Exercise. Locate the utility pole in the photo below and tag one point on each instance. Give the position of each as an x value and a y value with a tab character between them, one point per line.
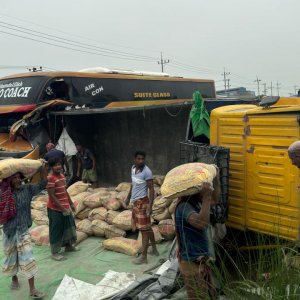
163	62
228	85
296	89
258	86
271	88
265	89
278	88
225	74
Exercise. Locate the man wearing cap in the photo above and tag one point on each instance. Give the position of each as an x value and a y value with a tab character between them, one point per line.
16	238
53	153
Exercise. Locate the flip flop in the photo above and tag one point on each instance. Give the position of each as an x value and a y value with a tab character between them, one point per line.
36	294
58	257
15	286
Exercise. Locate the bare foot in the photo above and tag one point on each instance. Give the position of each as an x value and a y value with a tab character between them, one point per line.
36	294
71	249
140	260
58	257
15	285
153	252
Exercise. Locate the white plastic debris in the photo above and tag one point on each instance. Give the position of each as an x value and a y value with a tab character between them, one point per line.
112	283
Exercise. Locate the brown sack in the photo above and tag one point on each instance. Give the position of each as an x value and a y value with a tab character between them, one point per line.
123	220
122	245
40	235
167	229
84	213
39	217
160	203
39	205
81	236
172	207
77	188
188	179
112	204
162	216
98	214
78	201
11	166
124	186
85	226
99	227
93	201
158	179
111	214
112	231
122	196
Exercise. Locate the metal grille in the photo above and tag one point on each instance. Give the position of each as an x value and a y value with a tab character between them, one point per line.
196	152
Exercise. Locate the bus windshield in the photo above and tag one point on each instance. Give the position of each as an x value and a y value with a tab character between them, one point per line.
19	91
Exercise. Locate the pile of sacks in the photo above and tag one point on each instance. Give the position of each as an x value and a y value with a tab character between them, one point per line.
100	213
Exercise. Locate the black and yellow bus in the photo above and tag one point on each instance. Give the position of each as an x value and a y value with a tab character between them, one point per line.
98	90
89	89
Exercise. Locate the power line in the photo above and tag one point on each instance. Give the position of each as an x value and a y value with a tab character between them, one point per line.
163	62
70	34
71	42
69	48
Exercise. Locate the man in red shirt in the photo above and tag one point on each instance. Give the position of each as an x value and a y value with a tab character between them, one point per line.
62	229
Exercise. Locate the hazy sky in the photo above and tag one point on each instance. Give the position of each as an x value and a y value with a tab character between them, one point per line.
200	37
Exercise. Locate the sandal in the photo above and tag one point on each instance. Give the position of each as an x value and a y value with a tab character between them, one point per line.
36	294
15	285
58	257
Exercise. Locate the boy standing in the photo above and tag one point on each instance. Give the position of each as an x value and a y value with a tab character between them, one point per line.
62	229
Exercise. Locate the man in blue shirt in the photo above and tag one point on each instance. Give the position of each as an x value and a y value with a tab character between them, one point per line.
142	183
53	153
192	217
87	162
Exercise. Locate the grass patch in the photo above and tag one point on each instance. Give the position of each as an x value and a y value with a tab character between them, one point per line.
268	272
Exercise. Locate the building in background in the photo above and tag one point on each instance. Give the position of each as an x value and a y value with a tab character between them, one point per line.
239	92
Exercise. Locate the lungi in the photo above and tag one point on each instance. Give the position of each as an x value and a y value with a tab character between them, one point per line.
18	255
62	230
141	220
198	279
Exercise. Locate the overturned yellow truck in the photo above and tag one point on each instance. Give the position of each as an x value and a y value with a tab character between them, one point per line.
263	184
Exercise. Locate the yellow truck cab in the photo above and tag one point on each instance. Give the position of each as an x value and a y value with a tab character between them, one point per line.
263	185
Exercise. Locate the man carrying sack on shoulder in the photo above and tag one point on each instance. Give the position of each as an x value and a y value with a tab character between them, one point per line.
15	215
198	188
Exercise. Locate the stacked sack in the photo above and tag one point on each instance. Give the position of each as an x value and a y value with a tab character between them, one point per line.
100	212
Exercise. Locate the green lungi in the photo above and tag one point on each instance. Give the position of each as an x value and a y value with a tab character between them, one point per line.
62	230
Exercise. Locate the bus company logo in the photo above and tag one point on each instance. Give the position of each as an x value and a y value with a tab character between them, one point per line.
14	90
162	95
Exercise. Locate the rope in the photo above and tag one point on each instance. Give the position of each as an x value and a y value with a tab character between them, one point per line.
175	115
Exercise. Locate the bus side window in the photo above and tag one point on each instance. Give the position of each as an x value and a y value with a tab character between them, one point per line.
57	89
